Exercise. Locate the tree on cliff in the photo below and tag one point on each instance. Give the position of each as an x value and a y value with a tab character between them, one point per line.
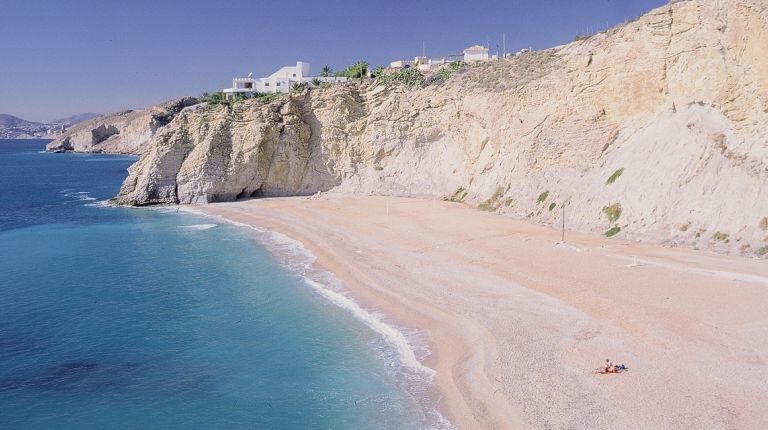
357	70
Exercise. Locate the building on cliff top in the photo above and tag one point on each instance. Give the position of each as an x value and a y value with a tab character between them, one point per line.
476	53
424	64
279	82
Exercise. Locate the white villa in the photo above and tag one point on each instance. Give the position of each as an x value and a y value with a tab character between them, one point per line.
476	53
279	82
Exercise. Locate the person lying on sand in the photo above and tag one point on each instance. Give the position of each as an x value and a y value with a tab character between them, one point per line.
609	367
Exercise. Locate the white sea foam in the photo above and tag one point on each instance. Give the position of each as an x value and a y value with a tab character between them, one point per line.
198	226
394	338
101	204
292	254
79	195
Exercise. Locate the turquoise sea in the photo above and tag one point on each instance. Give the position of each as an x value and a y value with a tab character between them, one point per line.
119	318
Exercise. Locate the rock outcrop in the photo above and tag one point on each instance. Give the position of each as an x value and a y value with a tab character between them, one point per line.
125	132
655	130
220	154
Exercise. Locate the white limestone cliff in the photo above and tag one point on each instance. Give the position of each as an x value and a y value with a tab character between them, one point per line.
656	130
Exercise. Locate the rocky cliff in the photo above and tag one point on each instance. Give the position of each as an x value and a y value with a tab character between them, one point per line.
126	132
654	130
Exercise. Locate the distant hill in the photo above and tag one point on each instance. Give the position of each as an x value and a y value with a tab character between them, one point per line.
75	119
13	127
10	121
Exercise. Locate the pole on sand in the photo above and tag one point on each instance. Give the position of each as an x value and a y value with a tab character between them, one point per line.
563	229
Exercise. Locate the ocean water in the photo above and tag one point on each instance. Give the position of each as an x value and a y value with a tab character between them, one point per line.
145	318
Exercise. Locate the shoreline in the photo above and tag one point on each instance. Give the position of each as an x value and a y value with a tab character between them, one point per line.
399	339
294	257
431	275
358	294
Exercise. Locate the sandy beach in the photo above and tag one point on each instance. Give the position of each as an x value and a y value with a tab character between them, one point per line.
517	322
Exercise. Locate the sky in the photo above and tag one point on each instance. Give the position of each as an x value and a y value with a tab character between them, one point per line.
62	57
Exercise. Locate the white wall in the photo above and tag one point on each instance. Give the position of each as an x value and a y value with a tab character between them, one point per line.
299	71
475	55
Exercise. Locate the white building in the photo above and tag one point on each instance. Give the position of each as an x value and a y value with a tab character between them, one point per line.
430	64
281	81
476	53
401	64
522	51
422	63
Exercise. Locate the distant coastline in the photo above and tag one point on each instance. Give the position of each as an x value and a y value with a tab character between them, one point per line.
13	127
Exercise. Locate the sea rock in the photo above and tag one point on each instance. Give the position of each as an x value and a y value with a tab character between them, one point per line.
655	130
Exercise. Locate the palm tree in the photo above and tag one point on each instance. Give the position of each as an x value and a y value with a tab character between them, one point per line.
326	71
357	70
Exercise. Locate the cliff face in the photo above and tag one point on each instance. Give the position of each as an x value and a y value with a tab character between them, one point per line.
126	132
219	154
655	130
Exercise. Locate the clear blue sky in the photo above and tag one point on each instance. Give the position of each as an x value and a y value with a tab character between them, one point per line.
65	57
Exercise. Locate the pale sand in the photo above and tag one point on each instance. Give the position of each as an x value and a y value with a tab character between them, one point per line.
517	324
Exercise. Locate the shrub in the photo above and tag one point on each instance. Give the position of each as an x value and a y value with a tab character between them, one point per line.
614	176
326	71
762	251
497	194
456	65
552	206
408	77
445	73
763	224
613	212
490	204
542	197
268	97
459	195
164	117
214	99
378	71
719	236
355	71
613	231
167	115
508	202
316	82
297	88
219	98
